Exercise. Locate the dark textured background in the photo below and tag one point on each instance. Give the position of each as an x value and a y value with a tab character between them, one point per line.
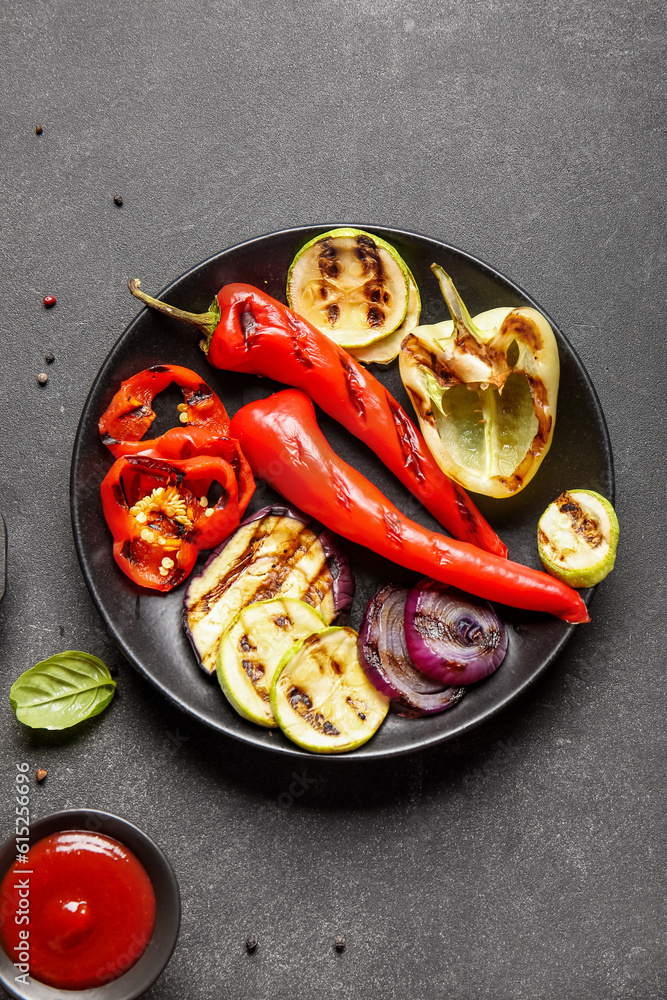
527	860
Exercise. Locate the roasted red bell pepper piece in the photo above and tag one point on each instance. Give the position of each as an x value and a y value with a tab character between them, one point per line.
180	443
285	447
248	331
130	413
160	518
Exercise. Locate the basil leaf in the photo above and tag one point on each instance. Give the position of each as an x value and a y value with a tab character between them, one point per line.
62	691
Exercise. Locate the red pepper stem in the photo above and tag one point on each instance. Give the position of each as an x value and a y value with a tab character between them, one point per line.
205	322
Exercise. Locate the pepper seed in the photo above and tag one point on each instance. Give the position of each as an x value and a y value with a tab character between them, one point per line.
42	378
339	943
251	945
41	773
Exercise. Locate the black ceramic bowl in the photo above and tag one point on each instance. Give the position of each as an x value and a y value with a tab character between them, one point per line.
137	979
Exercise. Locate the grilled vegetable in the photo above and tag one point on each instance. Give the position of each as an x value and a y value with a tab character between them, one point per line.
276	551
130	412
286	448
450	636
382	352
253	646
385	660
321	697
350	285
484	392
159	514
245	330
577	537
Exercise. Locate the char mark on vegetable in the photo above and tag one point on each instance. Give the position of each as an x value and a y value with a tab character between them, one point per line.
303	706
108	440
354	387
585	526
392	523
333	312
326	260
368	256
158	369
355	708
407	438
300	336
319	587
201	395
255	671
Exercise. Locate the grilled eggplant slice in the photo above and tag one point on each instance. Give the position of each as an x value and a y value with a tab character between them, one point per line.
252	648
321	697
276	551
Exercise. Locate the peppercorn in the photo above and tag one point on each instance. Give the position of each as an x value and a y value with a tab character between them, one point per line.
42	378
251	945
117	200
38	130
41	773
49	358
49	301
339	943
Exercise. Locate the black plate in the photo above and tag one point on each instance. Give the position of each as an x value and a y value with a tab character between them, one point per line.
147	626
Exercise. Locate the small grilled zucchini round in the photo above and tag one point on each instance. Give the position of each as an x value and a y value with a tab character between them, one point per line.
577	537
351	285
383	351
252	648
321	697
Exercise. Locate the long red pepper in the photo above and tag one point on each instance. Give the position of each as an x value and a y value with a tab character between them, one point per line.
248	331
285	447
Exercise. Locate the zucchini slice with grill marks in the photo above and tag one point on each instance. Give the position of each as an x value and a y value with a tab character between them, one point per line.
321	697
252	648
383	351
278	550
577	537
351	285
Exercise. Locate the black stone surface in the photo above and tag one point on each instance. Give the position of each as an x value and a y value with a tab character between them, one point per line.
526	860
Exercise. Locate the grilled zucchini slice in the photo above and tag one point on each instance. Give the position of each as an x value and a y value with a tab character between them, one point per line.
252	648
321	697
351	285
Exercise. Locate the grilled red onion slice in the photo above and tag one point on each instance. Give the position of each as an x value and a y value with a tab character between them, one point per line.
452	637
385	660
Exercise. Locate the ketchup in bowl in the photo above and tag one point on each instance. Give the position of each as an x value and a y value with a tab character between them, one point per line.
90	906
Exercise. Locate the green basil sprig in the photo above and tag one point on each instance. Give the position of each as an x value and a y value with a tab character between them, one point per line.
62	691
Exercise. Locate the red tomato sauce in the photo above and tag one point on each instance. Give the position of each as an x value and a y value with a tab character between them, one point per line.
90	908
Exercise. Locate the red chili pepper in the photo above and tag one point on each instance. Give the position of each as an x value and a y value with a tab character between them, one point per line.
285	447
130	414
159	523
247	331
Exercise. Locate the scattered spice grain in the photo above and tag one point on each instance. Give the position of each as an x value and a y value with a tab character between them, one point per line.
41	773
42	378
251	945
